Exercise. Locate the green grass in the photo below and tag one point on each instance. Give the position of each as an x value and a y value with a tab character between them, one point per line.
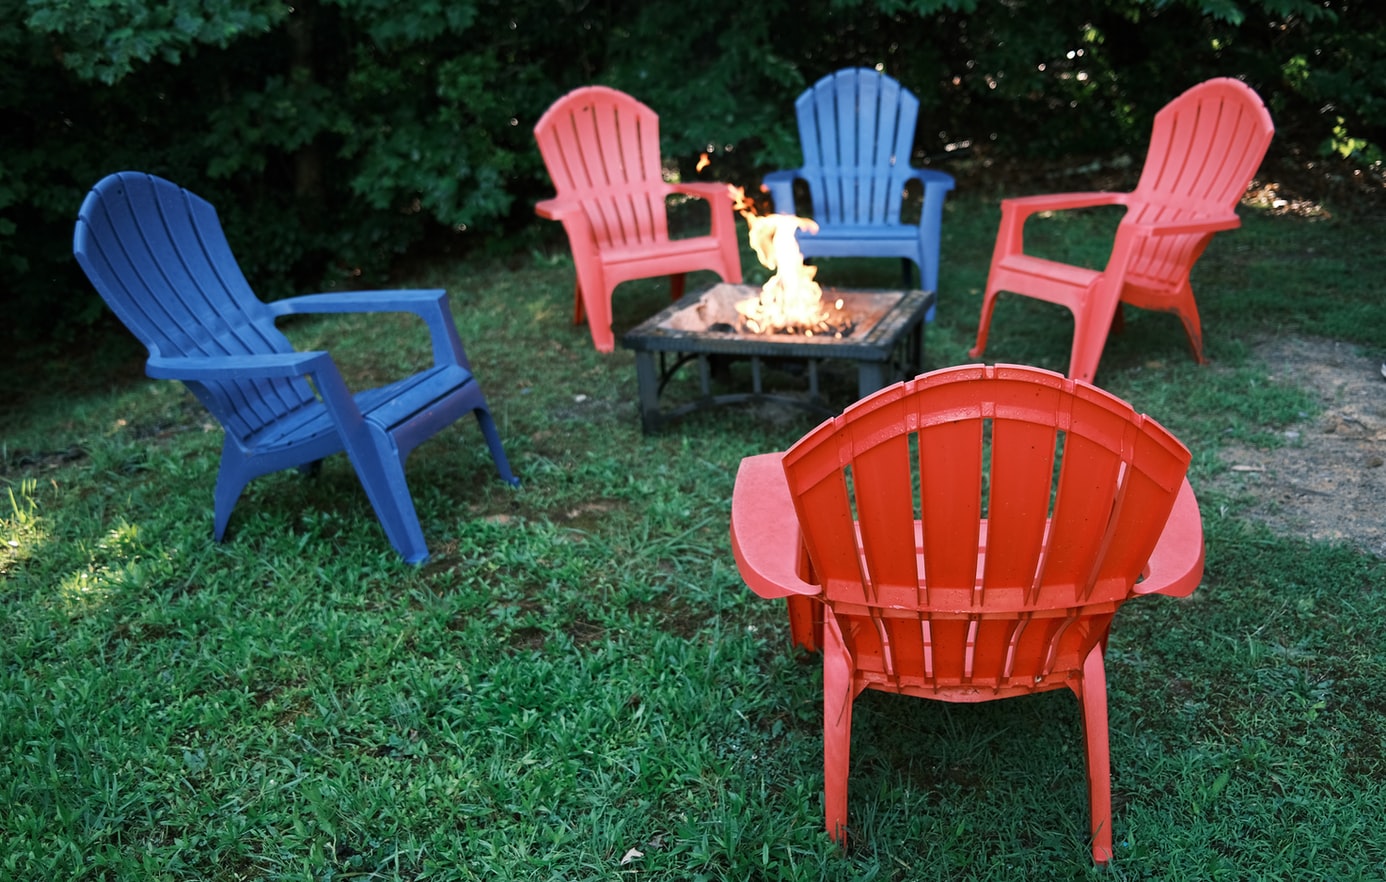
578	674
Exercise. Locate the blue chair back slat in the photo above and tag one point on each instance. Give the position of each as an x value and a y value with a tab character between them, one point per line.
873	147
899	140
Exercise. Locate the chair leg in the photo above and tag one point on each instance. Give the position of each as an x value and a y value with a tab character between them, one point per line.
578	312
1194	329
598	310
984	323
493	442
676	285
837	729
1092	322
1092	695
805	622
1088	347
231	483
1187	310
380	469
912	270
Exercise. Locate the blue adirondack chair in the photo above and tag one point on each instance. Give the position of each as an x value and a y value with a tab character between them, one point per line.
856	129
158	257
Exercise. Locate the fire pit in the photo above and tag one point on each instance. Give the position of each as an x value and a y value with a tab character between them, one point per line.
882	332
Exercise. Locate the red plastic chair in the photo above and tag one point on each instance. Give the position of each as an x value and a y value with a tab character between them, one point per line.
601	148
966	536
1205	148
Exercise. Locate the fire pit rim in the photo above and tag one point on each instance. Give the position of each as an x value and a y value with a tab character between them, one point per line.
869	346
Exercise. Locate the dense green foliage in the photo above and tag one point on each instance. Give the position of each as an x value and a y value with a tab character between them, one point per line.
336	135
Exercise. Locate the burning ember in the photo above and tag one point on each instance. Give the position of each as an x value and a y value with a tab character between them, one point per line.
791	302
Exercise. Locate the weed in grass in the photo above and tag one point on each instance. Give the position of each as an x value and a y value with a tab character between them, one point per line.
21	528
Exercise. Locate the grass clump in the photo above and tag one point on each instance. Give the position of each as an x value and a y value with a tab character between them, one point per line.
577	685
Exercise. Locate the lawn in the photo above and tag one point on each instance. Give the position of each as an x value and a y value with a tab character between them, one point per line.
577	685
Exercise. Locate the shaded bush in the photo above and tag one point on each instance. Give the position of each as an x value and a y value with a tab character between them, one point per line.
335	136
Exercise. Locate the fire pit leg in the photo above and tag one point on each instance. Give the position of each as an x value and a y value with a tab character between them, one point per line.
870	378
906	361
647	384
914	348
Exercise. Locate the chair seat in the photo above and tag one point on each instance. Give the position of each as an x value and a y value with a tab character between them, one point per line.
294	429
855	240
857	232
385	406
395	404
1023	265
667	250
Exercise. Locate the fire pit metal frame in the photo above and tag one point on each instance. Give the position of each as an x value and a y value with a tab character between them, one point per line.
890	349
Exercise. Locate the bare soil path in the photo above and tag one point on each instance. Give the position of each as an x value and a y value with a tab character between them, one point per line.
1329	480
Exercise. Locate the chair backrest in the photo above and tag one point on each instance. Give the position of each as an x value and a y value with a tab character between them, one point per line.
1205	147
158	257
976	528
601	147
856	128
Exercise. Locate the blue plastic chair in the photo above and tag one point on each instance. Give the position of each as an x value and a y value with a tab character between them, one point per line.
856	129
158	257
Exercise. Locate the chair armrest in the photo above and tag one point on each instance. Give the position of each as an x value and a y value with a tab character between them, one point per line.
709	190
936	186
1010	236
421	302
431	305
236	367
931	178
1024	206
719	200
573	216
557	209
765	529
780	186
319	366
1183	227
1176	565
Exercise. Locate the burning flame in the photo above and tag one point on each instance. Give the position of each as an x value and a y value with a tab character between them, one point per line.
791	302
703	162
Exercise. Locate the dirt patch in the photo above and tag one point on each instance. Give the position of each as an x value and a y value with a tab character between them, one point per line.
1329	480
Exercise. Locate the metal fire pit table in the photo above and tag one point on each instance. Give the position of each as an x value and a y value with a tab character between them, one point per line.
886	343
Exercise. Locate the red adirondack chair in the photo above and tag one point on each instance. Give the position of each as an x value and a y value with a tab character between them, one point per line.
601	148
966	536
1205	148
